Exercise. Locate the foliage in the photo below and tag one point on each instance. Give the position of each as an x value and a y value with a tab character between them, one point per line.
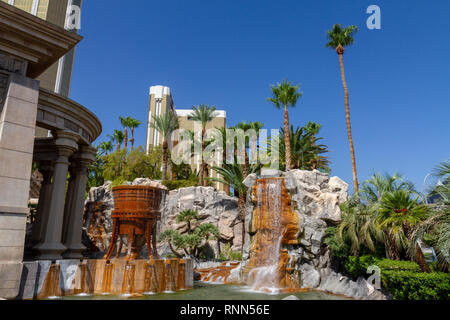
340	36
118	166
377	185
228	254
305	153
407	285
177	184
196	238
357	227
284	94
338	249
95	175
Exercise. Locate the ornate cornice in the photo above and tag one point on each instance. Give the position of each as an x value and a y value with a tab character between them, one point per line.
32	39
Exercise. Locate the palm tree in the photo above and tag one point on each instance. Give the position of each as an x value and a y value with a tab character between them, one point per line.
165	124
401	213
285	94
125	123
204	114
372	191
188	216
358	226
222	136
339	38
117	137
105	147
313	129
133	124
232	174
304	155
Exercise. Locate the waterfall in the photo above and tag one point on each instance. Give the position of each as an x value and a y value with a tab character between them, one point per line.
265	275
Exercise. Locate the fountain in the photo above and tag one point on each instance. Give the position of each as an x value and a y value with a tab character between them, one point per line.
273	227
136	211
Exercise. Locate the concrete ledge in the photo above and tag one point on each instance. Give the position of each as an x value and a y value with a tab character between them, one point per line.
10	274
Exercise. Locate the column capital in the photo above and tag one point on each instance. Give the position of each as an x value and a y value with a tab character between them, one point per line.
83	158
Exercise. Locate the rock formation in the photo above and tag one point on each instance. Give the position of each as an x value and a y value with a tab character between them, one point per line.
214	207
304	259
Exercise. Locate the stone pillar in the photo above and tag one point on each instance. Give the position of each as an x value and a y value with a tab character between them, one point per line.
51	247
43	206
18	110
74	214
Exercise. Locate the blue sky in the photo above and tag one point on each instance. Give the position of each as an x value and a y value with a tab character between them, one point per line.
228	53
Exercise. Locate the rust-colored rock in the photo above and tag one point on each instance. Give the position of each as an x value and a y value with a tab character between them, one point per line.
273	225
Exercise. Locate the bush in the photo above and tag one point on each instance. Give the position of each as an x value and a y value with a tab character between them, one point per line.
407	285
177	184
228	254
358	266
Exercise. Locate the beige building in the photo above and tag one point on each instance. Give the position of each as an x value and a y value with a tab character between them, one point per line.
58	76
160	102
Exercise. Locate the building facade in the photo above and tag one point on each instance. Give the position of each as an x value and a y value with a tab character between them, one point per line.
29	46
161	102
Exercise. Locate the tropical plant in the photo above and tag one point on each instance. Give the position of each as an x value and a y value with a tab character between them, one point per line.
306	154
233	175
133	124
203	114
117	138
257	126
339	38
313	129
172	238
357	227
105	147
243	152
165	124
377	185
284	95
399	212
125	123
188	217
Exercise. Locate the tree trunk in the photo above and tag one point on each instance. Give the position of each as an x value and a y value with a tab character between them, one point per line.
132	138
241	210
391	248
349	128
224	157
287	139
125	137
202	173
173	250
164	167
420	259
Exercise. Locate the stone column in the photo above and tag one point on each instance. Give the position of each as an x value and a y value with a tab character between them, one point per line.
74	214
43	205
18	109
51	247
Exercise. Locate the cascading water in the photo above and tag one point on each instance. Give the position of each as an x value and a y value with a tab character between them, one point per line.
273	225
265	276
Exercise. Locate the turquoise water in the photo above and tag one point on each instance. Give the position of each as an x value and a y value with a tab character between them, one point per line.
204	291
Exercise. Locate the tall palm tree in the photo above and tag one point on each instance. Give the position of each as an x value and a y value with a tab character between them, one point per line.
339	38
105	147
232	174
285	94
204	114
117	137
133	124
125	123
165	124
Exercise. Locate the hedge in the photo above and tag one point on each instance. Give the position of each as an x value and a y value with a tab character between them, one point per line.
407	285
403	279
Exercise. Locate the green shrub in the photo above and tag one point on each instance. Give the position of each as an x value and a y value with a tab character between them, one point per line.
228	254
407	285
358	266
